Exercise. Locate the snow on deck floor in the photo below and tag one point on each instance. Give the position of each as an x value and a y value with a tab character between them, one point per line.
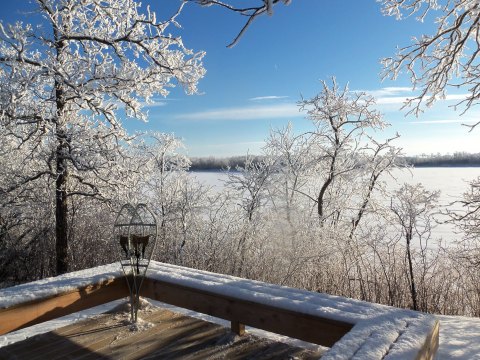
459	336
51	325
57	323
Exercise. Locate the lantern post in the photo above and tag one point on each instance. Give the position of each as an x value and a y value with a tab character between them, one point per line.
135	232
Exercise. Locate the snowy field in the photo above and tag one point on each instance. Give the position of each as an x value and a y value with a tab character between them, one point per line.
459	336
451	181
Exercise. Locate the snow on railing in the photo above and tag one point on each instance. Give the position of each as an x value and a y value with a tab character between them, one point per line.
351	328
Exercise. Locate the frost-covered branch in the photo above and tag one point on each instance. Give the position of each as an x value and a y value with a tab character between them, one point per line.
446	59
340	118
69	83
467	217
251	12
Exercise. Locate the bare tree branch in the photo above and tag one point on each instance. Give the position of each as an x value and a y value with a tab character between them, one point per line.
251	12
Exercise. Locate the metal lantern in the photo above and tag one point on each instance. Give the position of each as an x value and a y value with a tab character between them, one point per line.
135	232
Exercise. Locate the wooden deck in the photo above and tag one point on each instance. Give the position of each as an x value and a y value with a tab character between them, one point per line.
349	328
161	334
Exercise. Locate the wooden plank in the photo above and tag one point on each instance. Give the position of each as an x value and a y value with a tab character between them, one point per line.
305	327
87	341
173	336
70	347
197	344
23	349
109	332
38	311
52	342
237	327
430	347
217	342
169	337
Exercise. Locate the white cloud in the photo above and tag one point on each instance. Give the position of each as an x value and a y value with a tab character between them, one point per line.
447	121
391	100
244	113
390	95
271	97
388	91
456	97
402	99
154	105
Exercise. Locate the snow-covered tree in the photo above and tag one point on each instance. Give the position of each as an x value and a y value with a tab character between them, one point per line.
291	158
165	186
26	214
377	159
161	153
445	59
63	83
341	120
413	207
466	216
251	184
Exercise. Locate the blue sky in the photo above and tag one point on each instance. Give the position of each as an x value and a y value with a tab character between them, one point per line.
255	86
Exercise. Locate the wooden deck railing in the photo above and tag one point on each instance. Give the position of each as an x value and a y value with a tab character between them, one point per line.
43	309
312	328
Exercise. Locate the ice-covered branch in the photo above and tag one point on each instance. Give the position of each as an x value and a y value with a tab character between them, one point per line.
251	12
446	59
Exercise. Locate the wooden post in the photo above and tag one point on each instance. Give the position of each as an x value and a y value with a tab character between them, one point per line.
237	327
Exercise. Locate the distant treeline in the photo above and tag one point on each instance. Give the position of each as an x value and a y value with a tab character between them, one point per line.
434	160
212	163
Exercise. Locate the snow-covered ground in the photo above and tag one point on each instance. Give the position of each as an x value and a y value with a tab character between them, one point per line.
376	325
459	338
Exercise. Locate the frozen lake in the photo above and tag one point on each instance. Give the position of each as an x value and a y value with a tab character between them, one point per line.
451	181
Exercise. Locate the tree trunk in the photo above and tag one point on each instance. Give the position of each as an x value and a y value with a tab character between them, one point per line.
366	200
326	184
61	208
413	290
320	197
